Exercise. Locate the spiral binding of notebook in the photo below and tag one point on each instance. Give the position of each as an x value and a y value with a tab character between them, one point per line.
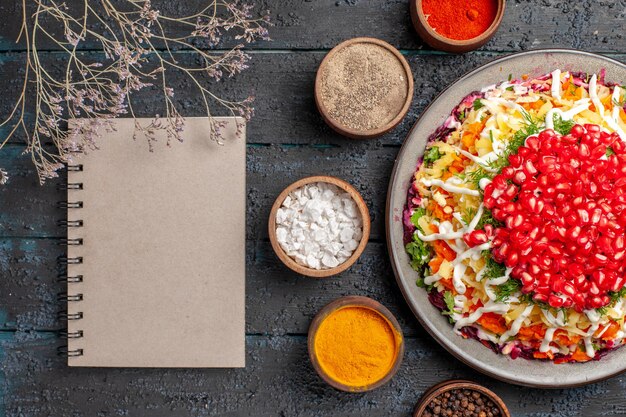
64	261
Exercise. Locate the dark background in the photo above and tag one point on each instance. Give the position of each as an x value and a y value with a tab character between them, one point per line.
287	140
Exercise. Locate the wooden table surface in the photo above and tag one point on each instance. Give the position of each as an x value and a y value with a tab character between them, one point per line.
287	140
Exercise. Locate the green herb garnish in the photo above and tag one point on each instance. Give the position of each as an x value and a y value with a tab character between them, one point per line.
419	212
469	214
492	269
487	218
478	104
609	151
432	154
562	126
478	174
615	297
504	291
419	252
532	127
448	298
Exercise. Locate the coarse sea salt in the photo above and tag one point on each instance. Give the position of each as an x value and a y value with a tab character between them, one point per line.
319	225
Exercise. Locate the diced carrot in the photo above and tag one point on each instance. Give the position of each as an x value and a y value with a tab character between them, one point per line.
438	212
579	93
435	264
442	249
524	77
475	306
543	355
459	164
569	90
534	332
468	140
563	338
607	101
447	283
622	115
433	228
537	104
580	356
611	332
472	133
493	322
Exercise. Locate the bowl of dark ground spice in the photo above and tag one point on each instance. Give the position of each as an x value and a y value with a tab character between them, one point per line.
363	88
459	398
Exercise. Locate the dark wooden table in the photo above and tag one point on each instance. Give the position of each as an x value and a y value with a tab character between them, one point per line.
287	140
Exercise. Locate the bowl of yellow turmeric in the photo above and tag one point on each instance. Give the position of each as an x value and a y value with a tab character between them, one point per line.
355	344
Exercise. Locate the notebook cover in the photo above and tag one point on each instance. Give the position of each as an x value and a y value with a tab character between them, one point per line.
163	250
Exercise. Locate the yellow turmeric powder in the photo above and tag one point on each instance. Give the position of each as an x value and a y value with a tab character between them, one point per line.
356	346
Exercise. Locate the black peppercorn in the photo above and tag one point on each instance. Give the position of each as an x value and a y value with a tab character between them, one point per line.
462	403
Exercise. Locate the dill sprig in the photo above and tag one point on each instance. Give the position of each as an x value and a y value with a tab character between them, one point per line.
492	269
504	291
532	126
487	218
615	297
478	174
562	126
468	215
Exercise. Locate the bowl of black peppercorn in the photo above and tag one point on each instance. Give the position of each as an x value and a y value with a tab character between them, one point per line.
458	398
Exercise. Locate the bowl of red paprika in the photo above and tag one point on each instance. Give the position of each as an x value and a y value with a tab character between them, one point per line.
456	25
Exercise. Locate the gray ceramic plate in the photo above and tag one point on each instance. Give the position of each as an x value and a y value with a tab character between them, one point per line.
519	371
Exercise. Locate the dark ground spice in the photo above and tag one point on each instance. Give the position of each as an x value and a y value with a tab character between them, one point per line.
462	403
363	86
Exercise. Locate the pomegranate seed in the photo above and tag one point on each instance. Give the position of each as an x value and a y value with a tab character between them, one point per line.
564	215
555	301
508	172
529	168
532	142
475	238
577	131
515	160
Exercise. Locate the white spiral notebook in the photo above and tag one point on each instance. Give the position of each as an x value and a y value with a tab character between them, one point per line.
156	250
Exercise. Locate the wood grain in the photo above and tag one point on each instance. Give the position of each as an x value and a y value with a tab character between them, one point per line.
287	141
284	87
278	381
283	84
321	24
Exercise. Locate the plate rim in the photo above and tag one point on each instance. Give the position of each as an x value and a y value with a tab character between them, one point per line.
466	359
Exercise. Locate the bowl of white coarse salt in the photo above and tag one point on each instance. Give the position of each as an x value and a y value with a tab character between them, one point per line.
319	226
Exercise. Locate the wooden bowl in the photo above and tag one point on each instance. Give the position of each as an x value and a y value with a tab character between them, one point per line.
354	301
290	262
363	134
442	387
442	43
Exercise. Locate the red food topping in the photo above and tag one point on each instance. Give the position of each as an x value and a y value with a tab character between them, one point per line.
564	215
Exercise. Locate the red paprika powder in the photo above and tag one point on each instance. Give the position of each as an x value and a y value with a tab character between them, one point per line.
460	19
